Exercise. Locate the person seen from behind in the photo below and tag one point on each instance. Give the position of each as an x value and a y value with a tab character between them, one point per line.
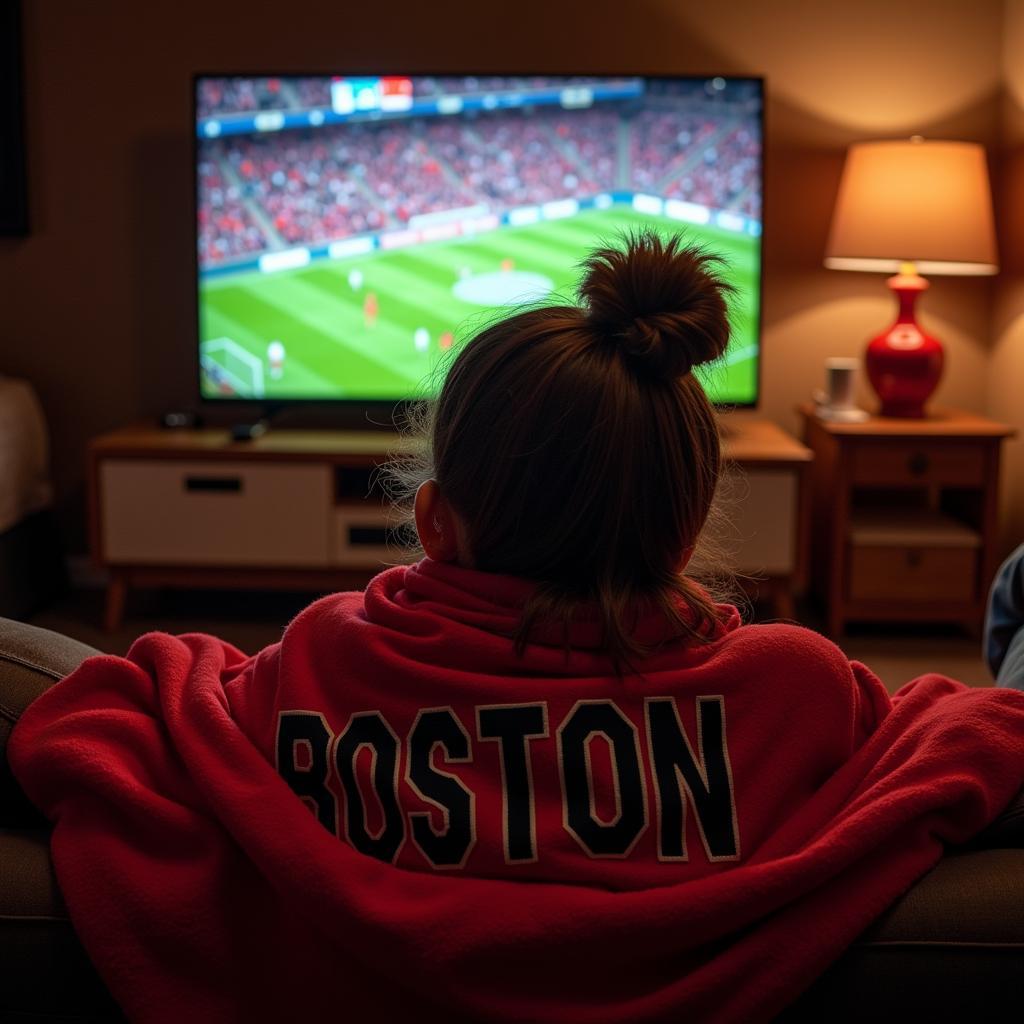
541	774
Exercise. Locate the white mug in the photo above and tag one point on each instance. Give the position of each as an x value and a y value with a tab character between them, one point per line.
840	383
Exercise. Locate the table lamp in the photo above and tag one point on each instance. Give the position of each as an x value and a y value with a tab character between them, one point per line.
911	206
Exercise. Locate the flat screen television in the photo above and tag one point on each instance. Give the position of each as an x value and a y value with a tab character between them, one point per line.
352	230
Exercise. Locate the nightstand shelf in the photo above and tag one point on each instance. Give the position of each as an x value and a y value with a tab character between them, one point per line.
904	516
875	526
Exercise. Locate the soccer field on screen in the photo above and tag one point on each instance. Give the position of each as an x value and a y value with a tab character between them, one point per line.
376	326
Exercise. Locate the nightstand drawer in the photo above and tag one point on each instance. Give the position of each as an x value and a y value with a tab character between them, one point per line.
909	464
889	573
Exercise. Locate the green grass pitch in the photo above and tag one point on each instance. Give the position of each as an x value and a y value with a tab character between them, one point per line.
332	352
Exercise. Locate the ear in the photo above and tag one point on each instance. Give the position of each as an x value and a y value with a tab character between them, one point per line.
435	523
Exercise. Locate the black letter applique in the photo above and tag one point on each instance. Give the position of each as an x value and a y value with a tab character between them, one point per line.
307	777
368	729
513	726
438	727
586	721
707	778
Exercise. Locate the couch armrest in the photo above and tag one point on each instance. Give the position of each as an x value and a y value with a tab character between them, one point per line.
31	661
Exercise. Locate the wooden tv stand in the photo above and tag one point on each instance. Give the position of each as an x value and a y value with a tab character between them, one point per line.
299	509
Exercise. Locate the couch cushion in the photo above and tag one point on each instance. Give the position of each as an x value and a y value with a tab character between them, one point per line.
46	974
951	948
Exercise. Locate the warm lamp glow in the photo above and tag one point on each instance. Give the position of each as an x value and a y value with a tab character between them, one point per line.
908	207
919	201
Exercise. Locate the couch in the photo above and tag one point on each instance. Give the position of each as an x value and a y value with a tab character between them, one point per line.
952	948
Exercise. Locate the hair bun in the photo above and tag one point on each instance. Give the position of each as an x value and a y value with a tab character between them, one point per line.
662	302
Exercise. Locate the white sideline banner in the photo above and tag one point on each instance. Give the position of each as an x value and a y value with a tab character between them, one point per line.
350	247
422	220
692	213
559	208
730	221
648	204
398	239
437	232
524	215
477	225
286	259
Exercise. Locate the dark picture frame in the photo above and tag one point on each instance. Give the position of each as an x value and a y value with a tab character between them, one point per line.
13	179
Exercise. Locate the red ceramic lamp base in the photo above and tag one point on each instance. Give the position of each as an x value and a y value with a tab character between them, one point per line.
903	363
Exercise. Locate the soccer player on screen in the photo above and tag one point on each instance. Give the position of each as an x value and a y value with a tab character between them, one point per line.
275	358
370	309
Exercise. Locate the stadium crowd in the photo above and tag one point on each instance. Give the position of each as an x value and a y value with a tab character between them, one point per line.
515	160
227	229
706	183
221	97
239	96
323	184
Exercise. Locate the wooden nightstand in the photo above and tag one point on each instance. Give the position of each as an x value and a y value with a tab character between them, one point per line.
904	516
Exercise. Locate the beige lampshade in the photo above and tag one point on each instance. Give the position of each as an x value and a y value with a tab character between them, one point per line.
914	200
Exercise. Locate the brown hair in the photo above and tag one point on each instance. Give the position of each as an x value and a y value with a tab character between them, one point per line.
578	448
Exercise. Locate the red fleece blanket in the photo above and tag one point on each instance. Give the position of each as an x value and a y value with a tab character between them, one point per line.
389	815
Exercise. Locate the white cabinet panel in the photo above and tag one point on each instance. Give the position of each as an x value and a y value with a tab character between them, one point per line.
761	507
160	512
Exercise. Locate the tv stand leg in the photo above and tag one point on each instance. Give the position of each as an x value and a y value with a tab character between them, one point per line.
117	590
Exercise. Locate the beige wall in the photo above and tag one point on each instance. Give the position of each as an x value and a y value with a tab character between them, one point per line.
840	72
98	306
1006	367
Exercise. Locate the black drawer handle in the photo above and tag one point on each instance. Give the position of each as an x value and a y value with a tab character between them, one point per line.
918	464
914	559
220	484
372	536
377	536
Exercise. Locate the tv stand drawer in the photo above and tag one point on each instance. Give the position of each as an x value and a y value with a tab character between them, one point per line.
164	512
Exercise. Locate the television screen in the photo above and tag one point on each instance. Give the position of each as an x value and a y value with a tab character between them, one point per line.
352	230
